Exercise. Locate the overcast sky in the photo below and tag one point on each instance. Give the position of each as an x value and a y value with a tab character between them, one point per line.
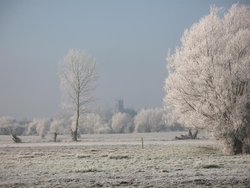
129	39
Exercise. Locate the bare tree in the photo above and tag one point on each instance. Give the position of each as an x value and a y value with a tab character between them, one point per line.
77	75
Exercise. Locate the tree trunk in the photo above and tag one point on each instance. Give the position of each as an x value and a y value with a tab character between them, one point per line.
55	135
246	146
189	136
74	132
74	135
246	149
237	146
15	138
194	136
233	146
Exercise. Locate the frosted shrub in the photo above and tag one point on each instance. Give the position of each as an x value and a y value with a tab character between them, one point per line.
38	126
42	127
10	125
91	123
150	120
104	129
31	128
56	127
122	123
6	125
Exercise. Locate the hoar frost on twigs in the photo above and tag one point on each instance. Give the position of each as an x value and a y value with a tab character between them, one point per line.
209	77
38	126
150	120
122	123
77	74
93	123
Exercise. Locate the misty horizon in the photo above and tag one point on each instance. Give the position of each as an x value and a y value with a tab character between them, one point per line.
130	41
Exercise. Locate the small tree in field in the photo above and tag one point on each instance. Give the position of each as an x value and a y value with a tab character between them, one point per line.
42	127
56	128
122	123
92	123
209	77
77	75
150	120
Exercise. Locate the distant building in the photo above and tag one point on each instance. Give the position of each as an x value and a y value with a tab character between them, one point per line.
119	107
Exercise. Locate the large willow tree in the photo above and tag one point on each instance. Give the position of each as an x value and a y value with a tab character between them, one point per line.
209	77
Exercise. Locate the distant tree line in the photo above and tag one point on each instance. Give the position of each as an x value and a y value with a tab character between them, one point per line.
146	120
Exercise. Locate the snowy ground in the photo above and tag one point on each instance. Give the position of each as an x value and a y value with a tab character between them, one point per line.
119	161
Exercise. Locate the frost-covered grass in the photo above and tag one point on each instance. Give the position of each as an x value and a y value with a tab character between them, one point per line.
134	137
119	160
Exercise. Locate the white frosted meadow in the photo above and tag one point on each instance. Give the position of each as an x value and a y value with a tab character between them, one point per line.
117	160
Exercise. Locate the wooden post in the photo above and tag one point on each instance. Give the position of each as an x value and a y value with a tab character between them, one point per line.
55	135
142	146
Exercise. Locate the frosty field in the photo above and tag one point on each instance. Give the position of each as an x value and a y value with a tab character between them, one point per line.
119	161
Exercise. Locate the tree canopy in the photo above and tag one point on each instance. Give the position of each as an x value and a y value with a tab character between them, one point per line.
209	76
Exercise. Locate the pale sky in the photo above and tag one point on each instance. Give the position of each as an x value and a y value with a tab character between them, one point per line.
129	39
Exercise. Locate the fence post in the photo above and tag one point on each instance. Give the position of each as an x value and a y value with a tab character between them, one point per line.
142	145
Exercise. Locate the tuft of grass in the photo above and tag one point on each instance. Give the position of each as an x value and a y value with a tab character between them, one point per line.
211	166
26	156
104	155
94	150
207	150
67	155
82	156
118	157
38	153
166	171
87	170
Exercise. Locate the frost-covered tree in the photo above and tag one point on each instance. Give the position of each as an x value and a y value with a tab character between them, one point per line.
7	124
105	112
171	121
57	126
31	128
42	127
38	126
209	77
150	120
77	75
92	123
122	123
